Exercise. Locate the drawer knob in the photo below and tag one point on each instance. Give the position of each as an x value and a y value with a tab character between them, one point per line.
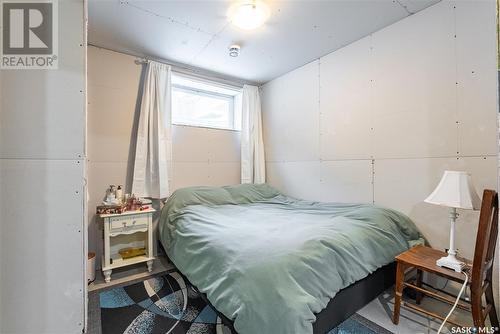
124	224
133	223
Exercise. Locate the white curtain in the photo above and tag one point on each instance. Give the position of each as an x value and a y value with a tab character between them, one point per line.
253	168
153	148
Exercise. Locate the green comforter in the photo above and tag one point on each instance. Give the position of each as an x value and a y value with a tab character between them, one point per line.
270	262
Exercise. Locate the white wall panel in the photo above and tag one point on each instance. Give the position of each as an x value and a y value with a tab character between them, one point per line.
415	66
49	105
42	105
2	195
477	77
118	69
272	104
403	183
110	130
346	102
188	174
224	146
189	144
297	179
42	147
41	243
196	144
292	106
346	181
223	173
483	170
414	105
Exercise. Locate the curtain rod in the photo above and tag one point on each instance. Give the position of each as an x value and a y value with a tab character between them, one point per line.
183	69
194	74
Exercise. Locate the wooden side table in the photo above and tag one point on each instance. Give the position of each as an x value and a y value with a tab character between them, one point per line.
423	259
123	230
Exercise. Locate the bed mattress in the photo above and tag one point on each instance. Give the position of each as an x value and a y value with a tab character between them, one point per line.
271	262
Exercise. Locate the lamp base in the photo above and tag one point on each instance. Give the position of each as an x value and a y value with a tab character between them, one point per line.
451	262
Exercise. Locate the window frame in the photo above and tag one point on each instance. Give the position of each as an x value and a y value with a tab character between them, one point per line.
231	99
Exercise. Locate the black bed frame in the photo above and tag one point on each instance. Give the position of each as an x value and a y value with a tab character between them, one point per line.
345	303
352	298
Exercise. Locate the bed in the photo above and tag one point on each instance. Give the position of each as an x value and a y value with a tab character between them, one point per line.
275	264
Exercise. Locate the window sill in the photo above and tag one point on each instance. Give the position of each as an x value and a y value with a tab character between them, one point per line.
205	127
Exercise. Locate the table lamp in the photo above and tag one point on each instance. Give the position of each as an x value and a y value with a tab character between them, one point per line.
455	190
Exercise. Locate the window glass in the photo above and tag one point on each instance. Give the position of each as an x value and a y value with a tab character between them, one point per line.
199	103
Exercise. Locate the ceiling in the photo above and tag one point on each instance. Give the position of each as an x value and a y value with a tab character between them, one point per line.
198	34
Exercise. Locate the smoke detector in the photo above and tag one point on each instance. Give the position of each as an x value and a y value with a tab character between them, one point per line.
234	50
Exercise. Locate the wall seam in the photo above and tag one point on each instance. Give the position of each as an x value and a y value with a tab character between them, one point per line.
372	127
404	7
382	159
455	52
373	181
320	157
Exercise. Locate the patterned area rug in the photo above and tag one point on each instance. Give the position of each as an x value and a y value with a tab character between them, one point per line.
166	304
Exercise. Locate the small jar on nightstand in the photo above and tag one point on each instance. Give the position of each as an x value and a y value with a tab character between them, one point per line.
128	230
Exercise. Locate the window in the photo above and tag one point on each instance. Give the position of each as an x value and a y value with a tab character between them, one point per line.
200	103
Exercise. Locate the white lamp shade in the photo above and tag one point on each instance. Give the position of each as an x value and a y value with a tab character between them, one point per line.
455	190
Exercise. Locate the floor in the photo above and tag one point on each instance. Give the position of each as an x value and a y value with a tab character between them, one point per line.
379	310
119	277
129	275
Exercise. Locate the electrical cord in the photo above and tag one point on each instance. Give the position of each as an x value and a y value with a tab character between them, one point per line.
456	302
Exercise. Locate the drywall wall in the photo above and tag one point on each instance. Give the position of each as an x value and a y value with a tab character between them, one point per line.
42	136
201	156
381	119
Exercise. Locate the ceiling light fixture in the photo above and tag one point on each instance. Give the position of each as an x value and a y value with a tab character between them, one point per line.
249	15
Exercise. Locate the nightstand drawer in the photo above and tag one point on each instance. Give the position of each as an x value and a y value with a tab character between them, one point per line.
129	222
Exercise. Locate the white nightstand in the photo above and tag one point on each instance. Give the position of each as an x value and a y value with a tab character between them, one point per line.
128	229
